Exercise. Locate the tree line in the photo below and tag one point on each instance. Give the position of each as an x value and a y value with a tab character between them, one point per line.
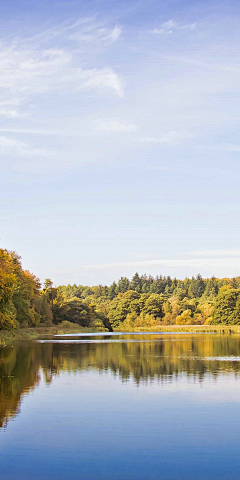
25	303
143	301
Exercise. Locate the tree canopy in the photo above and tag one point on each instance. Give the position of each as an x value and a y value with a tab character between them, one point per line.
143	301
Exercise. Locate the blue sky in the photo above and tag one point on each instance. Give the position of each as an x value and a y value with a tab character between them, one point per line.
119	138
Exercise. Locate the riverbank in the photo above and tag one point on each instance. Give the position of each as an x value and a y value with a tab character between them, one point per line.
221	329
8	337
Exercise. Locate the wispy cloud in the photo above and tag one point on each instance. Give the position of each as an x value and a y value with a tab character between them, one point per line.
228	252
188	26
12	113
203	64
84	30
229	147
96	32
36	65
212	263
116	126
169	138
114	35
168	27
61	29
31	131
30	72
104	78
11	146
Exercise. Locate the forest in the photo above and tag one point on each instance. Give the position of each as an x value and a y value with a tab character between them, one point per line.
142	302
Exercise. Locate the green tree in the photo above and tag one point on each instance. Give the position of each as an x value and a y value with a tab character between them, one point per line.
113	290
136	283
123	285
154	305
226	306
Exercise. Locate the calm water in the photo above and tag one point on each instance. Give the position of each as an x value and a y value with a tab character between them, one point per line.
121	407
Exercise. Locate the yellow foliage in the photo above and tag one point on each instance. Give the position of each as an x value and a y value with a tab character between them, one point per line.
185	318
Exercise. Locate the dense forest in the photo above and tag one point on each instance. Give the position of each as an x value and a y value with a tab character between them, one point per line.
24	303
141	302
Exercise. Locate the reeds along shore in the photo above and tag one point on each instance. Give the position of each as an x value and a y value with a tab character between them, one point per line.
221	329
8	337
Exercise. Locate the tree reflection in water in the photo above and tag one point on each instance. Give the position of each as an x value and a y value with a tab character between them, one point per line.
140	357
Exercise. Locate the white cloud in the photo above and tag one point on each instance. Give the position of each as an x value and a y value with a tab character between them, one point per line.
30	72
84	30
101	78
169	138
10	146
28	68
169	25
229	147
203	263
115	126
114	35
167	28
61	29
231	252
203	64
30	131
189	26
95	32
224	147
161	31
11	113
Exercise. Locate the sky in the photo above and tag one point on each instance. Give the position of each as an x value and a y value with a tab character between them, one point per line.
119	138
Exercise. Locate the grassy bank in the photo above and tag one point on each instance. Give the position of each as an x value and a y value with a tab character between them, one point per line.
221	329
7	337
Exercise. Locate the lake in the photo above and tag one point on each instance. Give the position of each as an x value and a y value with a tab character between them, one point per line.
121	407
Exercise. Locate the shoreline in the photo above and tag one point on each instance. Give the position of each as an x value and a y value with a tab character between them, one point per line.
8	337
33	333
221	329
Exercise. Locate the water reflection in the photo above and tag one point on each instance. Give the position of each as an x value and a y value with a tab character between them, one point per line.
141	358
